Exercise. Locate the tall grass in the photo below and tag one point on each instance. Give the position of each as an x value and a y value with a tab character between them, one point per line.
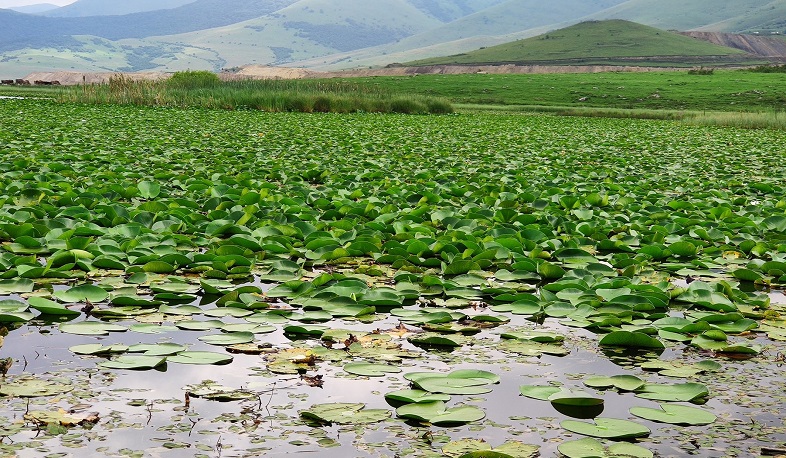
743	120
197	89
762	120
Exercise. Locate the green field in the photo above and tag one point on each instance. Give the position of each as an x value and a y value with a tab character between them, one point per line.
209	281
724	90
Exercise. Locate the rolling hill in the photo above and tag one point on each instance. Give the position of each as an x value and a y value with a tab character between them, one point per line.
329	34
83	8
612	42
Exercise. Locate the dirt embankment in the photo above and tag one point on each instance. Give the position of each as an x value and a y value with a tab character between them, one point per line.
770	47
260	72
74	78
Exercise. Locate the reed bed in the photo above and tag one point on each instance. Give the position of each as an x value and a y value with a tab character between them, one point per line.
196	89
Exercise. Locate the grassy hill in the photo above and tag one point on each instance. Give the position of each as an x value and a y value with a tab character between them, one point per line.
504	22
596	42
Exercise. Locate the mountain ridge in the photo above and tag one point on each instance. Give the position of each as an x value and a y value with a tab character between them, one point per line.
322	34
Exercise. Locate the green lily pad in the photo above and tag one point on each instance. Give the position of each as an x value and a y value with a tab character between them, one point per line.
370	369
27	386
437	413
631	339
344	414
608	428
681	392
134	362
592	448
91	328
98	349
675	415
47	307
229	338
200	358
415	396
82	293
161	349
621	382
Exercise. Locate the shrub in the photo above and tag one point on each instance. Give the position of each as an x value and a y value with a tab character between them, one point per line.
194	80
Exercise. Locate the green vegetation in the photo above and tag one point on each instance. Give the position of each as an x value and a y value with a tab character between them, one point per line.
204	90
614	42
424	272
724	90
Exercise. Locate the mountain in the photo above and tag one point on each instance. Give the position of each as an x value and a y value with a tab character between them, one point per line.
82	8
715	15
96	35
19	31
35	9
613	42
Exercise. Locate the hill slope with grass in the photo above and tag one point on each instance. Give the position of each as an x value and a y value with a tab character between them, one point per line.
597	42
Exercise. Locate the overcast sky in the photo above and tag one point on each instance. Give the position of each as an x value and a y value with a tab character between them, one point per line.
13	3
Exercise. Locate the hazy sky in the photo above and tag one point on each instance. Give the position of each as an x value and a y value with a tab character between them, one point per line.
12	3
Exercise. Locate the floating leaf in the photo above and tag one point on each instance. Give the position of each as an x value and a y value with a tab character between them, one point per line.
134	362
682	392
438	414
200	358
82	293
609	428
30	387
344	414
47	307
621	382
370	369
592	448
229	338
675	414
91	328
631	339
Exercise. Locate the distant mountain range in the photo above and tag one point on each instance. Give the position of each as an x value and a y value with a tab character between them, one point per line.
171	35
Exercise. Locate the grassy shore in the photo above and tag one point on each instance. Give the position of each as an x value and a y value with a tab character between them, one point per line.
197	89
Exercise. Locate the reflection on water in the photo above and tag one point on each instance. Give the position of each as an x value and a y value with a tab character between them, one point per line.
148	410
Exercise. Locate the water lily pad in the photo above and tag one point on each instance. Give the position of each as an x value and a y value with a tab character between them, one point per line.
631	339
592	448
675	415
621	382
47	307
30	387
681	392
608	428
228	338
194	325
98	349
437	413
468	382
213	391
161	349
370	369
415	396
133	362
91	328
344	414
61	417
82	293
200	358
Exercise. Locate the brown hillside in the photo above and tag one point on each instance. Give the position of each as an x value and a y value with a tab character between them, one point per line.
765	46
